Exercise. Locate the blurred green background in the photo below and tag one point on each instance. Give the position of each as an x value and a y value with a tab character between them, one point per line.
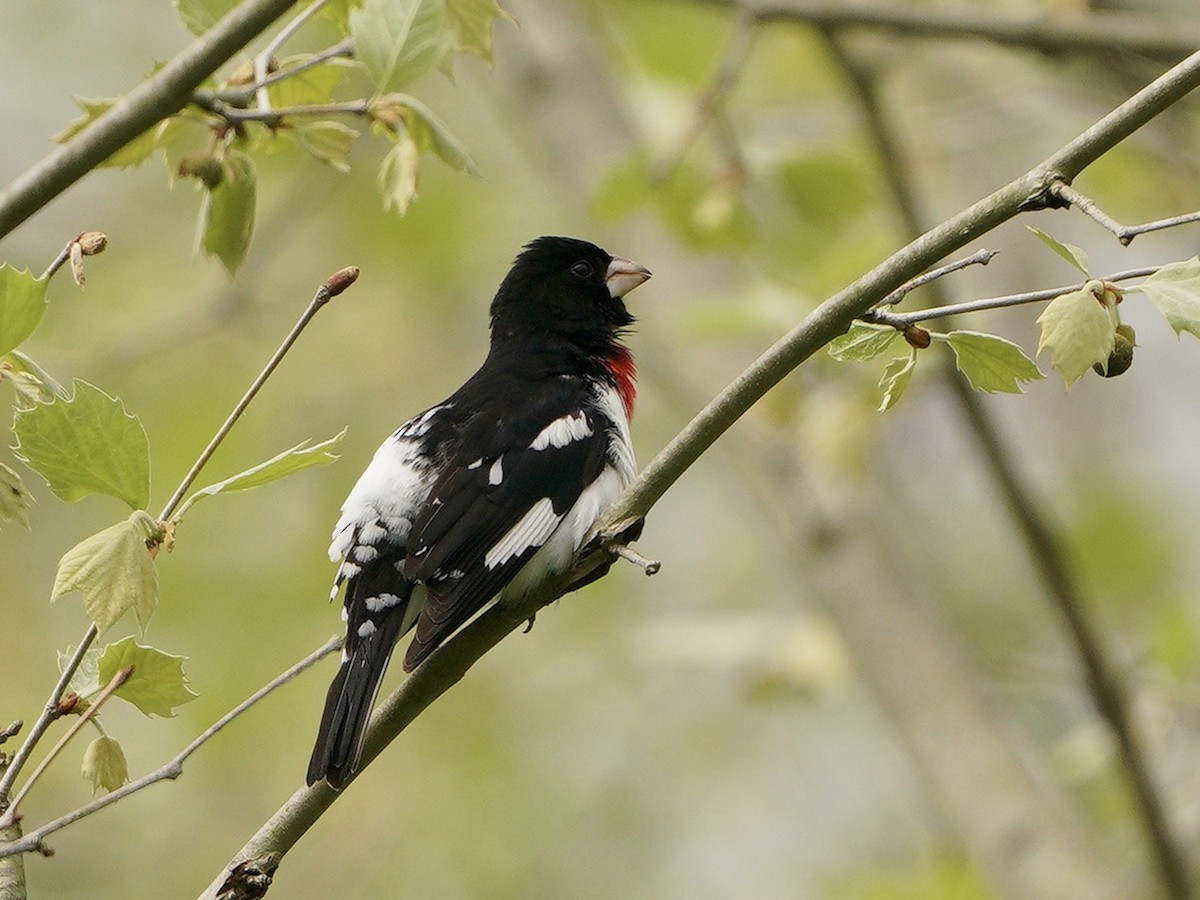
700	734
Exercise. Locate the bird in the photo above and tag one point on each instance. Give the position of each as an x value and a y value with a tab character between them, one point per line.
487	495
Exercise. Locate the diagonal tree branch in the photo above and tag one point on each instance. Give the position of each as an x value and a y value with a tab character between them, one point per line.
943	310
263	852
833	316
163	94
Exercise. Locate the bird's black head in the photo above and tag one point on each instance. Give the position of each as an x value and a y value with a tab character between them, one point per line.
565	288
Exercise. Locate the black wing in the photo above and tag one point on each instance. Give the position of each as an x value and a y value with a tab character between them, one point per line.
499	501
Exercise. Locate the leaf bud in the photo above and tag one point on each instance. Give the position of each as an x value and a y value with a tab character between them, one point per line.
92	242
917	336
67	704
242	74
1121	358
341	279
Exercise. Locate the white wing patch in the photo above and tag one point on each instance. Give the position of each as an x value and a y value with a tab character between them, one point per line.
381	602
365	553
496	472
371	532
562	431
531	530
387	496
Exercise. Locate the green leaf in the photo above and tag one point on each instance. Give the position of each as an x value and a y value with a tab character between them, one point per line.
156	686
15	499
863	341
22	304
113	571
312	86
431	135
104	764
1076	256
31	382
896	378
398	175
471	23
992	363
1078	331
201	15
86	680
133	153
1175	291
329	142
86	444
304	455
227	213
399	40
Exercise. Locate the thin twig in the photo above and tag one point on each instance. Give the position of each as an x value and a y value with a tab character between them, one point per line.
49	714
243	93
902	320
11	730
627	553
122	675
237	114
262	62
240	95
1125	233
978	258
59	261
333	286
173	768
1132	231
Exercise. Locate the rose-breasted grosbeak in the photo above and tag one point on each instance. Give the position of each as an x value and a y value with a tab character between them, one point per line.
492	491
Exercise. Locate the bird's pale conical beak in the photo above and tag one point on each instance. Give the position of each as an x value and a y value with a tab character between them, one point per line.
624	275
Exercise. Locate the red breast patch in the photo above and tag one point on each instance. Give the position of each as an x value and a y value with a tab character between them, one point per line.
624	370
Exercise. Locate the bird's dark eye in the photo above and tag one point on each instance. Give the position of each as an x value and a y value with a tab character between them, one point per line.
583	269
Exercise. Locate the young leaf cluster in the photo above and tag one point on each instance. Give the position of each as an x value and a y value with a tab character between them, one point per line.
300	101
1081	329
989	362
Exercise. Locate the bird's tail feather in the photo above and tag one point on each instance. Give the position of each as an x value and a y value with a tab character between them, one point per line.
348	705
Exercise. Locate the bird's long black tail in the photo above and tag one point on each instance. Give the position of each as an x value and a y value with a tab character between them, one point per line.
349	702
